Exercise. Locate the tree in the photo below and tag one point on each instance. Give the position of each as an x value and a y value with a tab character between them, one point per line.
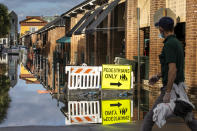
4	20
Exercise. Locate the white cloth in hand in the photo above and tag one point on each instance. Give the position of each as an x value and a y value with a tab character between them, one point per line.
161	112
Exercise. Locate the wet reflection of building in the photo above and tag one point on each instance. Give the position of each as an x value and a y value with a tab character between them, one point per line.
13	69
11	64
27	76
4	87
23	56
4	61
8	78
3	58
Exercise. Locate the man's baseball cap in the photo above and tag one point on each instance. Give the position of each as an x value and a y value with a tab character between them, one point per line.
166	23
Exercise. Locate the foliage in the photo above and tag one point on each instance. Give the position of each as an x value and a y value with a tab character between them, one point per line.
4	20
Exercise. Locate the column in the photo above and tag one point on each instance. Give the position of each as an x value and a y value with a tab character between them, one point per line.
47	68
156	43
40	67
191	43
131	29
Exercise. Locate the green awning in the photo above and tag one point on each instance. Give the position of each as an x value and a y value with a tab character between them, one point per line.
64	40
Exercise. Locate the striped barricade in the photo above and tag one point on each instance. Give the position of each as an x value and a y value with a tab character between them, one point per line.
84	77
83	112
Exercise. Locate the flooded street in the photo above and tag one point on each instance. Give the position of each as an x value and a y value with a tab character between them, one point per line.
27	106
25	102
98	65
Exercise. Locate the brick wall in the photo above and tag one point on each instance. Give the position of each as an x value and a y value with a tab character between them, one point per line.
155	43
191	43
191	50
27	41
78	43
89	50
131	29
100	48
135	114
53	35
34	38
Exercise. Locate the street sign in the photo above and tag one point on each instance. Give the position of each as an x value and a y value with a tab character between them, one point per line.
116	111
116	77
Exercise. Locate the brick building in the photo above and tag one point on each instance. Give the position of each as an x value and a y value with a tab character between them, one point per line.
46	57
93	32
43	52
101	30
98	37
97	31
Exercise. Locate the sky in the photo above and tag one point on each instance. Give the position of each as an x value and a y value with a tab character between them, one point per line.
25	8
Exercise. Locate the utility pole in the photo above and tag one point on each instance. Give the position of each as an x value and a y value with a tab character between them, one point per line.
138	71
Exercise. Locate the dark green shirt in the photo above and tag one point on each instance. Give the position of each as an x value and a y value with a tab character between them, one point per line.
172	52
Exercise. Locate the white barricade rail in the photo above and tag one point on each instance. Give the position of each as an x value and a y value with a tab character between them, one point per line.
84	77
132	79
83	112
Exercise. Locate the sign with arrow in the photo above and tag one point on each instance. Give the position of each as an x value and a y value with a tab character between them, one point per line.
116	111
118	104
116	84
116	77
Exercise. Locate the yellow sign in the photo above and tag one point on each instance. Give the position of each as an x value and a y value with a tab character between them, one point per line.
116	77
116	111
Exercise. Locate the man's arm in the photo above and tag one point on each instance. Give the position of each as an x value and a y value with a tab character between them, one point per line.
171	76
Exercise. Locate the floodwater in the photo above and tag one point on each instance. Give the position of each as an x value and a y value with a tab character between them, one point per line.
22	104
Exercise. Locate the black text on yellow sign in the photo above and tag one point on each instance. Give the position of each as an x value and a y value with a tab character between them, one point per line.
116	77
116	111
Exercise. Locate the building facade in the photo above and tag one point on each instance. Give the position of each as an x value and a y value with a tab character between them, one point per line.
31	24
12	38
102	31
13	35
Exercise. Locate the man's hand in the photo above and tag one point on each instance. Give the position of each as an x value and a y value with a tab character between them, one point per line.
166	98
154	79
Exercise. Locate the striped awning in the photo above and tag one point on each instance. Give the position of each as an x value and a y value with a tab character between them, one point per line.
64	40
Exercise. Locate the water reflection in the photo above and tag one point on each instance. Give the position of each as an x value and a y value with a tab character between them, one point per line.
22	105
12	72
30	108
28	103
4	88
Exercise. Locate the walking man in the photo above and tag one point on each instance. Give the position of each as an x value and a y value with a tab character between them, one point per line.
172	70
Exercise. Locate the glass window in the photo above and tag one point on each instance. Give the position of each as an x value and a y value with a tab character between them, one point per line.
33	29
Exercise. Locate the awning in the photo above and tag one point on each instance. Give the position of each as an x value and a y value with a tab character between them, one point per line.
102	16
69	34
64	40
88	20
